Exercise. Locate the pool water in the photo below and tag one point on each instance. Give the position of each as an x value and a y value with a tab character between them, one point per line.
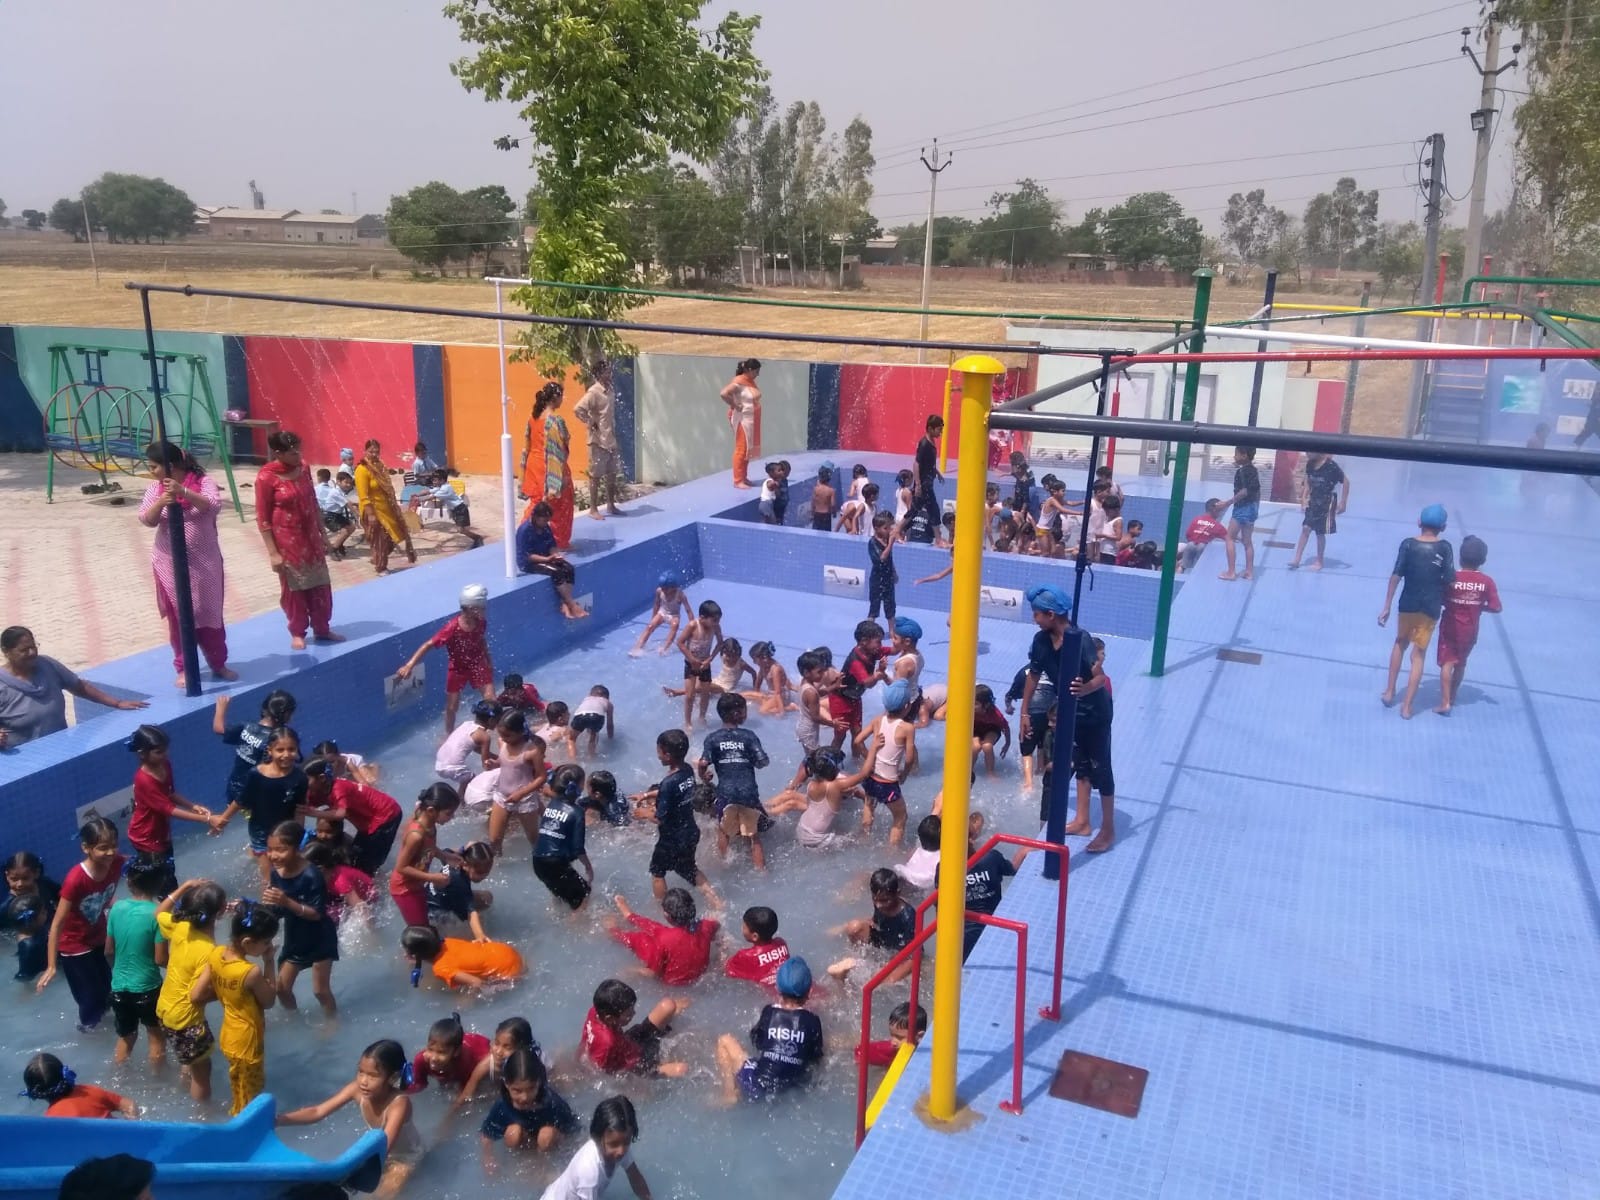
797	1147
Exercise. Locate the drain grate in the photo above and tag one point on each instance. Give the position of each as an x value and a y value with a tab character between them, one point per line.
1111	1087
1280	545
1248	657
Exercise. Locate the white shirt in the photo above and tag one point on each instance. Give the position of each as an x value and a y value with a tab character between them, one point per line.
585	1177
921	870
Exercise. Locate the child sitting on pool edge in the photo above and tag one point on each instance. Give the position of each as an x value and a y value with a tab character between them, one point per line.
536	555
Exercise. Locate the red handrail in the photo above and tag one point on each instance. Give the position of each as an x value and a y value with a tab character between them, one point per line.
913	950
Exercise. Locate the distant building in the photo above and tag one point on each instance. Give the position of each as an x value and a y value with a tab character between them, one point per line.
882	252
250	224
332	228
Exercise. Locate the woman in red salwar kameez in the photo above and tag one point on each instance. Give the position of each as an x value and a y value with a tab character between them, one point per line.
291	527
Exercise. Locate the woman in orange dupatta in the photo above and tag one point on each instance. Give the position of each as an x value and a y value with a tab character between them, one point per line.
381	517
546	473
291	527
743	399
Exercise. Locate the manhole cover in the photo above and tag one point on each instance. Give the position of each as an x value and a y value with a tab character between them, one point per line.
1111	1087
1248	657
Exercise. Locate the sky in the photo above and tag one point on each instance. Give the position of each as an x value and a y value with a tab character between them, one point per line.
341	105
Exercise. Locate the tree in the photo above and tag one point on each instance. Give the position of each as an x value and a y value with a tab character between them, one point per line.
426	224
134	208
66	214
1249	225
687	229
1398	257
1085	237
1286	250
4	220
33	218
949	234
1023	228
607	91
1341	223
487	221
1150	228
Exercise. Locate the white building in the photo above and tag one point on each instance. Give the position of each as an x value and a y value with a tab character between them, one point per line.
320	227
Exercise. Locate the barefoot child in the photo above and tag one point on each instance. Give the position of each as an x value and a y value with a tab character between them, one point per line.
759	961
511	1035
736	755
670	804
529	1114
516	693
700	640
594	713
519	784
245	991
821	801
881	572
251	739
77	939
677	953
1471	595
155	803
601	802
614	1044
451	1055
379	1091
863	668
419	846
560	840
187	920
787	1039
813	668
536	555
989	727
457	963
612	1132
459	898
822	497
665	608
890	928
274	792
1426	565
46	1077
453	763
1246	505
773	694
893	755
465	638
882	1053
375	815
131	934
310	940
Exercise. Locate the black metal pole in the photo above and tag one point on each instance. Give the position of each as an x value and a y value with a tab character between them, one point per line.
180	546
1460	454
1261	367
1088	486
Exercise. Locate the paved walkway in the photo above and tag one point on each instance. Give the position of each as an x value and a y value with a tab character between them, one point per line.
78	570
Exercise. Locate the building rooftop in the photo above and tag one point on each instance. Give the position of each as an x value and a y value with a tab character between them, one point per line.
255	214
324	218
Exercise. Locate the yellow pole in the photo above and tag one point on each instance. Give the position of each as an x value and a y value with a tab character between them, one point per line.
977	384
944	434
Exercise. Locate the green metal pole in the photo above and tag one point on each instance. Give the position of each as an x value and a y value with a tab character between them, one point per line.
1180	476
1530	280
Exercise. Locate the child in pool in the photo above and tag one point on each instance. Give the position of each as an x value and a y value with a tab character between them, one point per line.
453	762
736	754
890	928
670	806
612	1132
516	693
348	766
787	1039
344	885
246	991
77	938
601	801
892	757
665	609
881	1053
560	840
989	727
759	961
819	804
310	939
375	815
131	933
452	1056
822	497
30	908
155	803
458	898
273	792
419	846
767	505
699	642
332	835
519	786
773	695
47	1078
815	676
529	1114
379	1090
676	953
594	713
614	1044
511	1035
730	673
465	638
250	738
862	669
187	919
457	963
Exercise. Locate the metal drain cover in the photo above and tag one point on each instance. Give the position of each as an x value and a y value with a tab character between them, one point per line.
1111	1087
1248	657
1280	545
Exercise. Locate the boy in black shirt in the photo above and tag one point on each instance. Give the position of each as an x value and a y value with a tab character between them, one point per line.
736	753
560	843
787	1039
925	469
670	804
1426	565
1246	504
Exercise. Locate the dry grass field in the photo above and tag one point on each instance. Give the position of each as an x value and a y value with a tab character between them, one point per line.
51	283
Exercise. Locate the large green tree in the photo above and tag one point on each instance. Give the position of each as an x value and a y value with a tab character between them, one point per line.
1150	228
67	215
1342	225
1250	225
951	240
427	224
33	218
608	89
135	208
1023	228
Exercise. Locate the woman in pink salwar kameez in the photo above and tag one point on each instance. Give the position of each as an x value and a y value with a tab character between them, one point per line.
291	528
180	480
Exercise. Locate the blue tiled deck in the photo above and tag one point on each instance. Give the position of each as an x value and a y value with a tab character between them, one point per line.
1356	954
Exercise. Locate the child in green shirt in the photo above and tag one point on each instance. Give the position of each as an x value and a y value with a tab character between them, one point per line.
132	947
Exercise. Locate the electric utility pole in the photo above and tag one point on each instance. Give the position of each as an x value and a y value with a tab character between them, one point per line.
1483	123
1432	216
935	169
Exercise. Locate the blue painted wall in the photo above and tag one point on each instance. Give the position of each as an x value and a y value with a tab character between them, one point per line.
1519	395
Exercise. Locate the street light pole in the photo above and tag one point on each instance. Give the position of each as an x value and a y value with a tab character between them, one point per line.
935	169
1483	124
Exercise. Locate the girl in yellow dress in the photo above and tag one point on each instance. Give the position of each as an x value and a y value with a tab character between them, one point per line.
245	991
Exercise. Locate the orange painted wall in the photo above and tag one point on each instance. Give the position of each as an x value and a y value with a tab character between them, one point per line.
472	410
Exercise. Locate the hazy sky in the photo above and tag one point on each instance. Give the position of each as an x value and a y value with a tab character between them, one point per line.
319	99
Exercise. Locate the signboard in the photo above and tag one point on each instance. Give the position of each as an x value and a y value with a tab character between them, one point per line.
1521	394
399	693
1002	602
117	806
844	581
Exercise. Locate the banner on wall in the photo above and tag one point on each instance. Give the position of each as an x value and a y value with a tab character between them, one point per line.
844	581
116	806
1521	394
1002	602
401	693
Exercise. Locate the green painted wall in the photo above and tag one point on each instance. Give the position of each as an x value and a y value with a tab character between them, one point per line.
683	430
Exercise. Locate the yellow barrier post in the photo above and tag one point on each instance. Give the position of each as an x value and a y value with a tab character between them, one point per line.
978	373
944	434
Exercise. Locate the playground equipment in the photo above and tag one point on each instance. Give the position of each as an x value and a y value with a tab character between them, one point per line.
93	425
242	1160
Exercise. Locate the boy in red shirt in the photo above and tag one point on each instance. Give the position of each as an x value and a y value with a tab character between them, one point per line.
1203	530
881	1053
1465	601
677	953
465	638
615	1045
759	961
862	669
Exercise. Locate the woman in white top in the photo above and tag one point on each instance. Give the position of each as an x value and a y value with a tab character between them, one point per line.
743	399
612	1132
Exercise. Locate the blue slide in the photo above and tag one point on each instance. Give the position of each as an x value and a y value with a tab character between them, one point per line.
242	1160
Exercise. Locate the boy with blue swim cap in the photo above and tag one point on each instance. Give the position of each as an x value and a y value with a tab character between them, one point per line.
787	1039
1426	565
668	603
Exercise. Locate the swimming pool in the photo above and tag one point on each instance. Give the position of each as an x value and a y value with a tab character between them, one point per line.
800	1145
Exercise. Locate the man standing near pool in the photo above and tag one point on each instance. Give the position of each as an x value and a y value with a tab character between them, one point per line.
598	411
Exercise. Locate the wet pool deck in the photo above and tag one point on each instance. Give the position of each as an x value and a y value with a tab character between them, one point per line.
1357	955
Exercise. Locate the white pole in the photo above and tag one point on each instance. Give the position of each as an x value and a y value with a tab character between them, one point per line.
1328	339
508	483
934	169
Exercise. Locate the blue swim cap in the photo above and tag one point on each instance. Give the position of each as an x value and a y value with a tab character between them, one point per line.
347	453
1433	516
907	628
794	979
1047	597
670	579
896	695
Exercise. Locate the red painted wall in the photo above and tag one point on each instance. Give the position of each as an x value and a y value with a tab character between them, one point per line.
335	393
885	407
1329	411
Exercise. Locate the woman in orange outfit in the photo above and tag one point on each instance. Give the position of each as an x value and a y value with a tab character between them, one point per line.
743	399
546	472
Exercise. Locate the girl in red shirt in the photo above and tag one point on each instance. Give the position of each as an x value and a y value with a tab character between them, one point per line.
376	815
47	1078
155	803
77	943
